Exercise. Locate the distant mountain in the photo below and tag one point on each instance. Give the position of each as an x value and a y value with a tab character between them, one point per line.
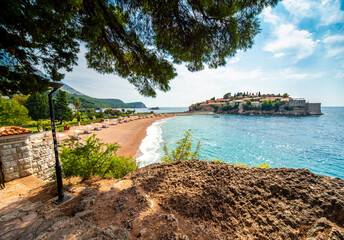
71	90
90	102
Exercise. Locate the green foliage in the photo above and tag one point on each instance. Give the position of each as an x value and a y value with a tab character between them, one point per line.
137	40
78	116
240	164
228	107
213	98
183	150
42	124
249	107
77	103
38	106
12	113
227	95
289	108
217	160
267	105
61	110
285	95
94	159
99	114
90	114
20	98
262	165
215	108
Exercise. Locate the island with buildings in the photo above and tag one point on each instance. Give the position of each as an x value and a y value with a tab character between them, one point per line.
258	104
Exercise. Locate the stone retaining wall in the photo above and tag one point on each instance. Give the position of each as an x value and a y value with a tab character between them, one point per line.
21	158
43	159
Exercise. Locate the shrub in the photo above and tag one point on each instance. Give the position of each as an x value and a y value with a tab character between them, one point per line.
262	165
249	107
94	159
228	107
240	164
289	108
217	160
215	108
183	150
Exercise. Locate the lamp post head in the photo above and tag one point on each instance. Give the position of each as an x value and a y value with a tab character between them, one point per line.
55	85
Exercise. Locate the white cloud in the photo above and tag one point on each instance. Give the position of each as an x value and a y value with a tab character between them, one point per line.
290	73
290	41
326	12
334	45
269	17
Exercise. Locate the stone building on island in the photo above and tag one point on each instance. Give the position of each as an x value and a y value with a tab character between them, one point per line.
258	104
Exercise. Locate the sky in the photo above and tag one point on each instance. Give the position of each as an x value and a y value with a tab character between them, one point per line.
300	51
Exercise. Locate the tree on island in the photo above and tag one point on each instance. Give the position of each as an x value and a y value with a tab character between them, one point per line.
61	110
138	40
285	95
227	95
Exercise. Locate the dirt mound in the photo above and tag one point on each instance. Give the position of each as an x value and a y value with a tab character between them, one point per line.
211	200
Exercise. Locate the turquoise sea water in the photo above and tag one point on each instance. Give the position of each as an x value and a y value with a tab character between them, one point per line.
312	142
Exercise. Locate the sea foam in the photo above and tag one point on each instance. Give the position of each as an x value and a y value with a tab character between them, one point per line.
151	145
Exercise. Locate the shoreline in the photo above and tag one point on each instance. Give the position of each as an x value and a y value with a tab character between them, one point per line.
129	135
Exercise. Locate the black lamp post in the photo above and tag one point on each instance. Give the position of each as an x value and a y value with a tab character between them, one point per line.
61	196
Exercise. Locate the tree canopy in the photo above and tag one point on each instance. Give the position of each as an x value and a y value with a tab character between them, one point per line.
12	113
61	110
38	106
137	40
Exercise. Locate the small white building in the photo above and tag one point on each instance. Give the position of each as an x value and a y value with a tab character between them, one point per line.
72	107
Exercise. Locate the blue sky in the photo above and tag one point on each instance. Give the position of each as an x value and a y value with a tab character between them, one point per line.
300	50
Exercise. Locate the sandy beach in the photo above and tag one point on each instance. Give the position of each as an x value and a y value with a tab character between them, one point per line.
128	134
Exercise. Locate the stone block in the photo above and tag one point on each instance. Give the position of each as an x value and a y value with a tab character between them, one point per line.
7	146
18	144
7	158
26	154
11	176
9	164
8	170
23	149
25	166
24	161
9	151
26	172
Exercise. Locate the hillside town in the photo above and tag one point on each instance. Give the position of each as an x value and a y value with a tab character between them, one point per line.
257	103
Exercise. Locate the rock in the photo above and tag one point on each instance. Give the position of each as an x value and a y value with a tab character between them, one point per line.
117	233
85	213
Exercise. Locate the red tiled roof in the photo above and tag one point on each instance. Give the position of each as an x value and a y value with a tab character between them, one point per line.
7	131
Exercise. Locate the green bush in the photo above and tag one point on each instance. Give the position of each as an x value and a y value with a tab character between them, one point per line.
249	107
94	159
215	108
262	165
289	108
183	150
217	160
240	164
228	107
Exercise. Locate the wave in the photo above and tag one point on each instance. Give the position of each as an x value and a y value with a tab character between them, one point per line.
151	145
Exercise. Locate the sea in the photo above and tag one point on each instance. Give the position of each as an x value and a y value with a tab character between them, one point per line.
312	142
